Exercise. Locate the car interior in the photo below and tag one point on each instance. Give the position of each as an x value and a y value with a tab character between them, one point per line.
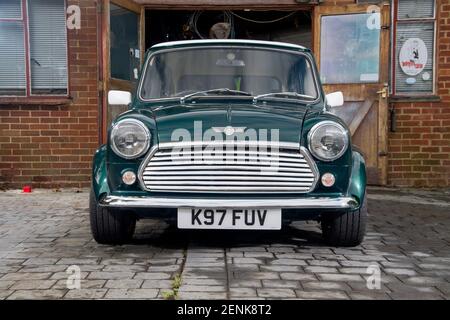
256	71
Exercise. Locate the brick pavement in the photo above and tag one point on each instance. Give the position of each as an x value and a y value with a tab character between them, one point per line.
44	233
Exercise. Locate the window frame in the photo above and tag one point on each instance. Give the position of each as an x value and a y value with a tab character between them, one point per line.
134	82
395	22
29	96
379	51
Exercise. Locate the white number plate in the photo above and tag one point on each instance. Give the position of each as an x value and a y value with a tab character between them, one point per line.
240	219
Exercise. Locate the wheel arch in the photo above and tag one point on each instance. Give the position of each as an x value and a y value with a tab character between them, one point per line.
99	173
358	177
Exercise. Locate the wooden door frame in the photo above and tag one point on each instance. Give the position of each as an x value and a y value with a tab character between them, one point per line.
106	82
192	5
384	72
383	113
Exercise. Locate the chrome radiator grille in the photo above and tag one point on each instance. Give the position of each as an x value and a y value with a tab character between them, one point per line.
284	168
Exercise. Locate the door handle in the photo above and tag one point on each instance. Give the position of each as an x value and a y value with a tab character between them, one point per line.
384	92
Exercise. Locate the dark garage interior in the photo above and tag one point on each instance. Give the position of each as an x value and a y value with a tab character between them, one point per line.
172	25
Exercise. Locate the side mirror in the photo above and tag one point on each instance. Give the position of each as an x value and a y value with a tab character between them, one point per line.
117	97
335	99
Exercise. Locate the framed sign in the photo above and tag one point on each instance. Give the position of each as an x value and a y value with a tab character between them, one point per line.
413	56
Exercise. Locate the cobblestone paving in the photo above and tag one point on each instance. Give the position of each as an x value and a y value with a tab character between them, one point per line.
44	233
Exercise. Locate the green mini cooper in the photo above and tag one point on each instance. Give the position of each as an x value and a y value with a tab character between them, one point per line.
228	134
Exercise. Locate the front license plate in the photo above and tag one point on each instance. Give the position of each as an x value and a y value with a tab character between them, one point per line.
239	219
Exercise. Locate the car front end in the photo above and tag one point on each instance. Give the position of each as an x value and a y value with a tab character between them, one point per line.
254	150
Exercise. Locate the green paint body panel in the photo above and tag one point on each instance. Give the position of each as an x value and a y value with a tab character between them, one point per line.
293	121
100	173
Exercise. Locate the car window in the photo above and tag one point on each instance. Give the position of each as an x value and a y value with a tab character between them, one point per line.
251	84
257	71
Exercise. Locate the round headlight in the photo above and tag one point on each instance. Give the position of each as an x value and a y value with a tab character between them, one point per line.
328	140
130	138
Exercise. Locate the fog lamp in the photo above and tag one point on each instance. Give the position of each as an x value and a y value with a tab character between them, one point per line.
328	179
129	177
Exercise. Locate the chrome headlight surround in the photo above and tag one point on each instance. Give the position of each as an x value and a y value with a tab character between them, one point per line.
315	141
138	131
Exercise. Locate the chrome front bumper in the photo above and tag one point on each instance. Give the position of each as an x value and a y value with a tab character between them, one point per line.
284	203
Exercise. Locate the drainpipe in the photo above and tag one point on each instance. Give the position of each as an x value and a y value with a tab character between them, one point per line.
393	118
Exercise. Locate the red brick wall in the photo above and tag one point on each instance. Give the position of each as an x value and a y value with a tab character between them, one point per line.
52	146
420	148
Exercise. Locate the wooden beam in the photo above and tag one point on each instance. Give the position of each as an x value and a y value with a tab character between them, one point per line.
105	66
118	84
360	115
384	102
127	4
142	34
225	5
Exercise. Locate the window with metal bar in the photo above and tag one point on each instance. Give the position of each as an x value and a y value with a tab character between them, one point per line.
414	50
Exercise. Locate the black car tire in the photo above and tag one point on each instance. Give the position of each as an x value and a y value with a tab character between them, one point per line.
109	226
346	229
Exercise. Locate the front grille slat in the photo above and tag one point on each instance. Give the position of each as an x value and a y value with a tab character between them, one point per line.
240	158
225	178
236	169
232	183
225	164
287	169
226	188
242	173
245	154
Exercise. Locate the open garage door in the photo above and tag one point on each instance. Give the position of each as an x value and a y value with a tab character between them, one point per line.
123	49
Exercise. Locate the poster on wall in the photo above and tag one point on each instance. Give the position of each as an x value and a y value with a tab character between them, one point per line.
413	56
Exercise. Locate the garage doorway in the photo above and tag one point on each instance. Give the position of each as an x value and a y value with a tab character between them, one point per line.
172	25
129	30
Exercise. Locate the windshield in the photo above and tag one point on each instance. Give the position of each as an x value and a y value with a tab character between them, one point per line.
252	71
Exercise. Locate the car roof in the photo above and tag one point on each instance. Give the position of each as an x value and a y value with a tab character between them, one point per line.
184	43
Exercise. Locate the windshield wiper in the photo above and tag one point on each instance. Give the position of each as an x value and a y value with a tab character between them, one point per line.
213	91
288	95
